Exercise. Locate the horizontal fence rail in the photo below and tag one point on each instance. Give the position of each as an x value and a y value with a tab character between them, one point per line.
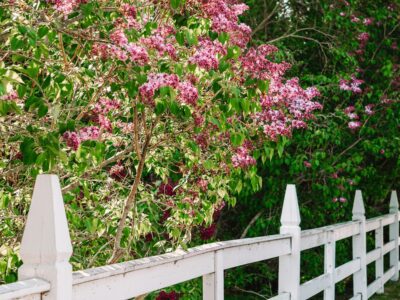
47	274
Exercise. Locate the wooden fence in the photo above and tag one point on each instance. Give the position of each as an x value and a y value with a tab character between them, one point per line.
47	274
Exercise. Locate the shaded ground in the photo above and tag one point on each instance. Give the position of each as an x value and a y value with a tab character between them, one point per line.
392	292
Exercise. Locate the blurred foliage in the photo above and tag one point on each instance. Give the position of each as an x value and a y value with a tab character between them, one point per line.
319	38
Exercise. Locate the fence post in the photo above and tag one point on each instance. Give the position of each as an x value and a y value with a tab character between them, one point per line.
330	265
289	265
394	235
46	245
213	284
360	248
379	270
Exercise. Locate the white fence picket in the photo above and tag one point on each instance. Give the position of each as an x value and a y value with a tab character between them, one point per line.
379	262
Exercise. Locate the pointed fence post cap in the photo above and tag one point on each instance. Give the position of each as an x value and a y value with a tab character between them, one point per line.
46	237
358	206
290	210
394	202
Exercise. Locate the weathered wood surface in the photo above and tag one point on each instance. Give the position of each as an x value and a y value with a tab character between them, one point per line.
24	288
168	269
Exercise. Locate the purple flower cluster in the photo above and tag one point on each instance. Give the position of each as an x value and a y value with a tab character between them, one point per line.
285	107
207	232
256	65
353	116
134	52
163	295
154	82
105	105
129	12
242	158
74	139
206	55
354	125
65	7
119	38
351	85
187	93
339	199
11	96
118	172
225	18
162	41
137	54
167	189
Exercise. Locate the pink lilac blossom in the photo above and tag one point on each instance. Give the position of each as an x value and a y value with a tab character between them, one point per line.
354	19
224	17
206	55
74	139
162	41
369	109
101	50
201	139
198	118
256	65
103	122
242	158
11	96
65	7
349	109
363	38
351	85
126	128
118	172
368	21
129	10
187	93
354	125
119	38
118	53
241	36
353	116
105	105
137	54
157	43
154	82
202	184
130	13
286	106
89	133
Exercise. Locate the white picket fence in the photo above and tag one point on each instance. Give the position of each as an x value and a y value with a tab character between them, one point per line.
47	274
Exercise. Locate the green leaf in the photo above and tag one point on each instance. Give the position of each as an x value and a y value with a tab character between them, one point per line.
175	4
27	149
237	139
160	107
